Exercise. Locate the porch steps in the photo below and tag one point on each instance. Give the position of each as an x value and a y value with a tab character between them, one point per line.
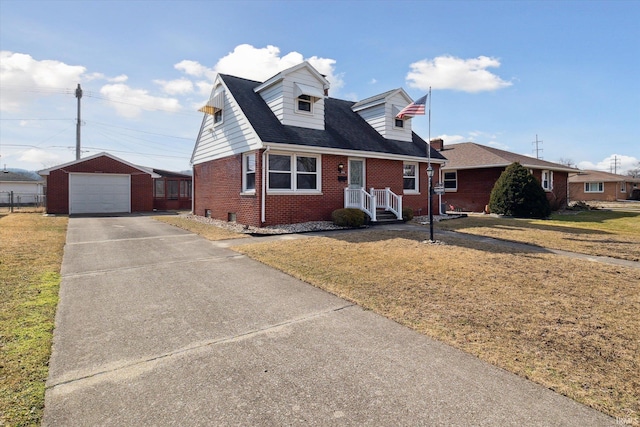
385	217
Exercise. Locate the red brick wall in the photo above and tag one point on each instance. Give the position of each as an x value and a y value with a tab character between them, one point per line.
475	185
58	184
611	192
218	184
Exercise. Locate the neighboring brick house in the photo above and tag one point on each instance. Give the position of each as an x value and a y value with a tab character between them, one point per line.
590	185
98	184
472	170
282	151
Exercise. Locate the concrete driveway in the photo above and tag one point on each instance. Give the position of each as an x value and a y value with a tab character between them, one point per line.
158	326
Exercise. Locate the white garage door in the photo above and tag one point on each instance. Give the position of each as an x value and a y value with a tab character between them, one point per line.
99	193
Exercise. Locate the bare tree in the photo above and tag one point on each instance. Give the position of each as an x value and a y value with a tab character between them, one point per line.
635	172
567	162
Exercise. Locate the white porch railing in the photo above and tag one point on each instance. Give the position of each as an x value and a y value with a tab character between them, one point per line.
389	201
358	198
368	202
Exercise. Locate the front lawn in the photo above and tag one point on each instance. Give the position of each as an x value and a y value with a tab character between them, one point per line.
570	325
31	247
600	232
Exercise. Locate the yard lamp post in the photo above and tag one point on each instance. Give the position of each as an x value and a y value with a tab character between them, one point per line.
430	174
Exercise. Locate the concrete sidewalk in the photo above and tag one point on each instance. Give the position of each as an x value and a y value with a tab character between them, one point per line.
158	326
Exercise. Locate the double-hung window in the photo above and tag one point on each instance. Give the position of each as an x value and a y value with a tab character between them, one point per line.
450	181
593	187
304	103
293	172
249	172
410	177
547	180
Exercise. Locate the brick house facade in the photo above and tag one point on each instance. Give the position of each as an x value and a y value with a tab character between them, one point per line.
282	151
57	186
590	185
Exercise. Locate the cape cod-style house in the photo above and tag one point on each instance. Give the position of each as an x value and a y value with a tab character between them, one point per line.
282	151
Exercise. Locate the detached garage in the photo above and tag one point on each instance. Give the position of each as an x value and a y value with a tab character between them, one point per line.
97	185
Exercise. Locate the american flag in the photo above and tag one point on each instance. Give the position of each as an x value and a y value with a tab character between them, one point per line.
416	108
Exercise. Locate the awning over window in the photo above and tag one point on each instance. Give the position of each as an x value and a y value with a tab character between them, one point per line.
216	103
301	89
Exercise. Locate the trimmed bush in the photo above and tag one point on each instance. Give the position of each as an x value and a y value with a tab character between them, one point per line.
407	214
517	193
348	217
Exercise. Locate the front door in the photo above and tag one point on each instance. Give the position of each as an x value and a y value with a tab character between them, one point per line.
356	173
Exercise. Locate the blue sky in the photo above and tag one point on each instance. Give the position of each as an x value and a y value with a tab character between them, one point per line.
501	72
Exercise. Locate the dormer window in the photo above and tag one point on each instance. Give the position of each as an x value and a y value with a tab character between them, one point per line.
306	96
399	123
304	103
215	106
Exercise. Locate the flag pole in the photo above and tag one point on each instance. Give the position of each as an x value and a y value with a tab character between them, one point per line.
430	173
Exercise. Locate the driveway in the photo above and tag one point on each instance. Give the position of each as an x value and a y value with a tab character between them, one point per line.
158	326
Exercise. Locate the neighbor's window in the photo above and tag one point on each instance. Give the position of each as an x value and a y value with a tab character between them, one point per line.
293	172
623	187
304	103
158	189
172	189
547	180
185	189
249	172
410	177
451	181
593	187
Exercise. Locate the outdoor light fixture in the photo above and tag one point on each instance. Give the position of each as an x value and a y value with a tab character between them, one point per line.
340	167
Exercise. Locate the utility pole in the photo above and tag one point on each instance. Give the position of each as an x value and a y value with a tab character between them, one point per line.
613	166
537	150
79	96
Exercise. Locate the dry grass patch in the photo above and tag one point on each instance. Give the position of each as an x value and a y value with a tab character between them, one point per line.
31	249
601	233
566	324
210	232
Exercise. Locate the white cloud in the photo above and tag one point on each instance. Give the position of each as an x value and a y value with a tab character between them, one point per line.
41	157
175	87
130	102
24	79
259	64
449	72
608	164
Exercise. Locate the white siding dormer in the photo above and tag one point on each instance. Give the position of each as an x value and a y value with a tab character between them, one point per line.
380	112
296	96
225	130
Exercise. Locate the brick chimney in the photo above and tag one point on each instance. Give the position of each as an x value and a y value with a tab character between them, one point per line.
437	144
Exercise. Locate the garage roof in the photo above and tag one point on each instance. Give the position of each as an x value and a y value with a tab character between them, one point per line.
46	172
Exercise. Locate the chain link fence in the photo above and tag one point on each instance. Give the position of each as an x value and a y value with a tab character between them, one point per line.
11	201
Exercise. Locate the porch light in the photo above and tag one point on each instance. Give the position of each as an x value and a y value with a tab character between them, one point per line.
340	167
430	171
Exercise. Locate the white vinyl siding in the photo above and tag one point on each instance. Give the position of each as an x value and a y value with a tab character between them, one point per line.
382	117
235	135
282	99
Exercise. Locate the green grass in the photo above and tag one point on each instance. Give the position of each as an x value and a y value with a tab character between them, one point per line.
30	259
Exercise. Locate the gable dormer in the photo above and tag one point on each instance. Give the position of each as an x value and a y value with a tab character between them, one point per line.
380	112
296	96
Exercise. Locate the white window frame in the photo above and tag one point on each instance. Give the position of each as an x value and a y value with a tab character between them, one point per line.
588	187
309	101
547	185
415	177
245	172
623	187
294	174
444	181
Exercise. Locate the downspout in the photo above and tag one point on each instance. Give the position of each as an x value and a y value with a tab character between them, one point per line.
263	202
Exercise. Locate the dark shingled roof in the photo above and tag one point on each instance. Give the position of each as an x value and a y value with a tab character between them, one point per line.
11	176
344	129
